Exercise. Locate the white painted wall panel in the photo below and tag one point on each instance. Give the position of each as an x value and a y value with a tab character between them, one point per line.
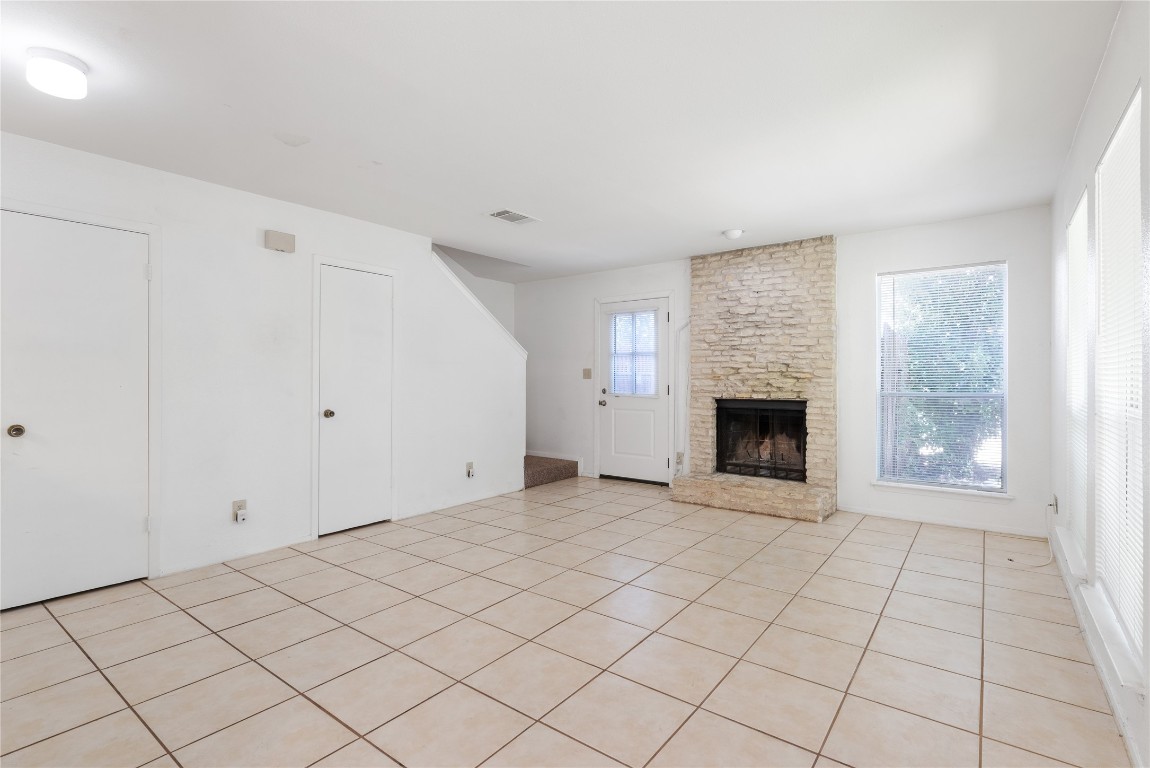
555	322
237	354
1021	238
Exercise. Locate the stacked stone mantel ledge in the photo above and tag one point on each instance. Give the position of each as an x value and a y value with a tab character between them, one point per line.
763	327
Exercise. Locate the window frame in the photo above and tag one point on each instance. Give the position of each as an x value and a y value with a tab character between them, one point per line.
1001	492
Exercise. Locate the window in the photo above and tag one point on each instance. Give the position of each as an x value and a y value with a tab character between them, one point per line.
634	353
942	377
1079	302
1118	376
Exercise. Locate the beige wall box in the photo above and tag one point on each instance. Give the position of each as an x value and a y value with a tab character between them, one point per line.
279	241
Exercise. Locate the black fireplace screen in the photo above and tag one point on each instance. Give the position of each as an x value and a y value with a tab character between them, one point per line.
762	438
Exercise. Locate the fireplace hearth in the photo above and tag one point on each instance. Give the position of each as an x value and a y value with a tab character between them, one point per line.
761	438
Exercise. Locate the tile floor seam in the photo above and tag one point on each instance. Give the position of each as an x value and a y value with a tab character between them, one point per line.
982	657
123	698
297	692
742	559
858	664
272	586
715	687
723	679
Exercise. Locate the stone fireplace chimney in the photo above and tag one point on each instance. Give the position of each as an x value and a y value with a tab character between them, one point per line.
763	328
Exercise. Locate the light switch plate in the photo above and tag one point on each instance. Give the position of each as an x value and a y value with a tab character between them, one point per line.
586	373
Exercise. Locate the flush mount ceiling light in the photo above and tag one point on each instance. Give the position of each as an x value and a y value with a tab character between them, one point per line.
732	234
57	73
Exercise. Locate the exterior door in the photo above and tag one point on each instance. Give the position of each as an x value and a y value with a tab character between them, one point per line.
74	464
634	394
354	398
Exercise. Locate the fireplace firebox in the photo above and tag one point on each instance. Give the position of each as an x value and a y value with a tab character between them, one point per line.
762	438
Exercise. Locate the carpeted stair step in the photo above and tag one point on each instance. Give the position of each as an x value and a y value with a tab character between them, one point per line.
538	470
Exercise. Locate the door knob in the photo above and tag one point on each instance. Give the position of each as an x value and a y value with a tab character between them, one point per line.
328	413
602	402
16	430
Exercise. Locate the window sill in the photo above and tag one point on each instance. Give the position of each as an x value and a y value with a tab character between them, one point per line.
990	496
1125	662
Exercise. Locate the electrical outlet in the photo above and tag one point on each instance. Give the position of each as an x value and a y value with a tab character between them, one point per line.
679	459
240	511
471	469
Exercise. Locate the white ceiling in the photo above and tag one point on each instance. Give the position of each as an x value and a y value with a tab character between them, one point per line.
634	132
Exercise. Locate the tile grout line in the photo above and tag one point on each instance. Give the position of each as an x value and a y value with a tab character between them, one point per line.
982	658
297	692
723	679
866	649
109	683
709	534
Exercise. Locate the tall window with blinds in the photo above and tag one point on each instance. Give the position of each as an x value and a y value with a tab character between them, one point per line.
1118	376
942	377
1080	302
634	353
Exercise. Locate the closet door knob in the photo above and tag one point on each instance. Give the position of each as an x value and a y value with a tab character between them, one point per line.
328	413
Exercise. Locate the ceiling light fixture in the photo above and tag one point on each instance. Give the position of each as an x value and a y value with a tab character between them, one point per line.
732	234
57	73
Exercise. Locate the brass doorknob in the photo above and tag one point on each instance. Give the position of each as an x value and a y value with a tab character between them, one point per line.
328	413
602	402
16	430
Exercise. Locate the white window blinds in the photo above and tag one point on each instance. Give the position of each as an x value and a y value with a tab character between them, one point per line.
1080	300
1118	376
942	369
634	353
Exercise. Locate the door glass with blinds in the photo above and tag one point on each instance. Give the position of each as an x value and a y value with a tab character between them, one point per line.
942	377
635	353
1118	376
1080	300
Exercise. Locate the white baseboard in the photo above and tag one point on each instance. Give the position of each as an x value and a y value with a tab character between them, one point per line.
935	519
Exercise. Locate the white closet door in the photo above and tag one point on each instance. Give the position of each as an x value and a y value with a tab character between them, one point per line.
75	407
355	338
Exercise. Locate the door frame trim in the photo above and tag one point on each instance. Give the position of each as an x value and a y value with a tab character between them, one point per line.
669	295
318	262
154	519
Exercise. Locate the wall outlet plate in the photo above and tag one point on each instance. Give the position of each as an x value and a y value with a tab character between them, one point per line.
471	469
240	511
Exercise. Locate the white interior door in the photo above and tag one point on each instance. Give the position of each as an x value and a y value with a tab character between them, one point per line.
354	398
74	467
634	395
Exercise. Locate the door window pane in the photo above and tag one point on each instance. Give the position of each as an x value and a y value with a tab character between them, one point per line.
634	353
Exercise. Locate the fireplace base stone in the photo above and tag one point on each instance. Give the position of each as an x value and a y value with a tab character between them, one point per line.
780	498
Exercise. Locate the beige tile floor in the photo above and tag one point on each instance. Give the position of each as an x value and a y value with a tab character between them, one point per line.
582	623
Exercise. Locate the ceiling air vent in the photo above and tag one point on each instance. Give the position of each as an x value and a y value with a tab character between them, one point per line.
512	216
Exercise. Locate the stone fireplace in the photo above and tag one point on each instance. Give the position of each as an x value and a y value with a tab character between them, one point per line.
762	351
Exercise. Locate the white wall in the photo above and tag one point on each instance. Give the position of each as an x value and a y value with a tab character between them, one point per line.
496	295
1125	65
1021	238
236	348
556	324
